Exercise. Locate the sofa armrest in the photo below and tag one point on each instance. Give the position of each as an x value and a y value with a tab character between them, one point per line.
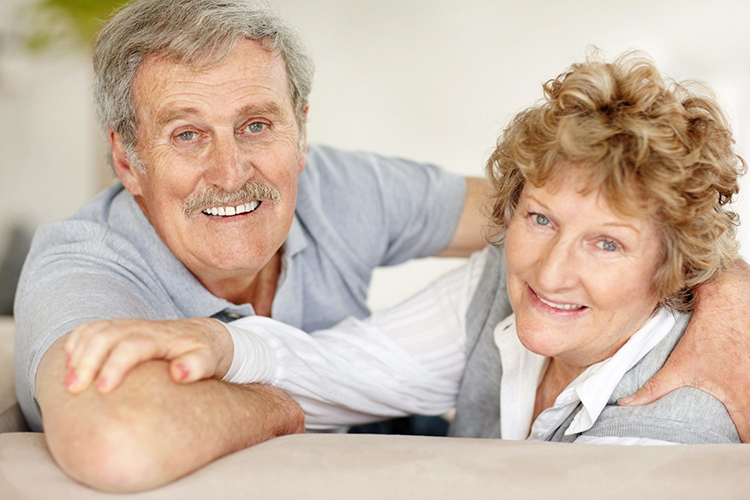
11	419
345	466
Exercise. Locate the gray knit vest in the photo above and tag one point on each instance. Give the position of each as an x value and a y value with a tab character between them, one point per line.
686	415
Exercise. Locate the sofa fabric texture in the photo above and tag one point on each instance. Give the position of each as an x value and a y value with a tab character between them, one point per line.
344	466
11	419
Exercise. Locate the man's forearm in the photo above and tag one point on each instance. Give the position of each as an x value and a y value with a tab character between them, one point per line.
470	234
151	431
731	286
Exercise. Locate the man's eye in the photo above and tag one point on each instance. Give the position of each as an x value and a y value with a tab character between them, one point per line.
255	127
608	245
188	136
541	220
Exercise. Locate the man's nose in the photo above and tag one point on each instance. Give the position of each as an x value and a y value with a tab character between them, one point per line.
559	266
230	168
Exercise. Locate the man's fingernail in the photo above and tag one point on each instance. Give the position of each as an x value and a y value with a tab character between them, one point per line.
184	372
625	401
102	384
70	378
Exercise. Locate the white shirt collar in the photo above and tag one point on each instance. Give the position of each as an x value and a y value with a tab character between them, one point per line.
523	371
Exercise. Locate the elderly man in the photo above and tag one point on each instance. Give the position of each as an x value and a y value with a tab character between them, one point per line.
223	212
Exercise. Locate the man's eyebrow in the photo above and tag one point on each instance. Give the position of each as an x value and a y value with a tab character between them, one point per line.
268	108
173	114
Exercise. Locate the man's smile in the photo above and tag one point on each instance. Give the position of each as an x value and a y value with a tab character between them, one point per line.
230	211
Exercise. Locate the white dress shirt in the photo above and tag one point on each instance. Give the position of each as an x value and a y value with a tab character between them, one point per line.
409	359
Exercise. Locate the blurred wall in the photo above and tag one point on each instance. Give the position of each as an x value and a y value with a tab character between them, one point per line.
49	144
437	80
432	80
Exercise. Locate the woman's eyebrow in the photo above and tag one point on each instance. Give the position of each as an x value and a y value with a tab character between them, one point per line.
544	205
606	223
623	225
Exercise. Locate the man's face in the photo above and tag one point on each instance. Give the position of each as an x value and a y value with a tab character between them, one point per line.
215	142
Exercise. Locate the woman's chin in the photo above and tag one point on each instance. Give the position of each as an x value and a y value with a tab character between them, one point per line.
539	340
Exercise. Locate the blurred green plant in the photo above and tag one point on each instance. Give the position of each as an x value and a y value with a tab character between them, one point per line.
67	23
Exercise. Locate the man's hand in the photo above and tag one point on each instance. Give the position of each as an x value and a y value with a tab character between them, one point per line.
714	353
197	348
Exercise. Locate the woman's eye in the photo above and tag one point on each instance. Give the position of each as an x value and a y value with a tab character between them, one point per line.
255	127
608	245
187	136
541	219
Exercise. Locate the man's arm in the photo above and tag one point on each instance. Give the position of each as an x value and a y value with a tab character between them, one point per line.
714	353
150	430
470	234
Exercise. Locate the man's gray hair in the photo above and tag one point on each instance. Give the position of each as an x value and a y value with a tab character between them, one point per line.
194	32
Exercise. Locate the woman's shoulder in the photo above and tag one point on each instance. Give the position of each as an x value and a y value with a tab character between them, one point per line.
686	415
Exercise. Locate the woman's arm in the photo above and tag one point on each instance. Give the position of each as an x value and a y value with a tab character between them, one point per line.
404	360
407	359
356	372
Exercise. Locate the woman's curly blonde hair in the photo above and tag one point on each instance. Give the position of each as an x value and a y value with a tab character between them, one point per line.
654	149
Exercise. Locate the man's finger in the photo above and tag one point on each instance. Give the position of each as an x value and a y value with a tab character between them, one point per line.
741	422
658	387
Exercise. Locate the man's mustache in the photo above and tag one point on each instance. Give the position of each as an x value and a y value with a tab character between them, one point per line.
214	196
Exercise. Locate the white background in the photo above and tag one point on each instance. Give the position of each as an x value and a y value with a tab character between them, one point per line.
431	80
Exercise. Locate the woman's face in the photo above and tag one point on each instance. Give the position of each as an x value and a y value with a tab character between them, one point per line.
580	276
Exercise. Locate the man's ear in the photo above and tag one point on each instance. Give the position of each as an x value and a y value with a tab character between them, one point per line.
128	173
303	142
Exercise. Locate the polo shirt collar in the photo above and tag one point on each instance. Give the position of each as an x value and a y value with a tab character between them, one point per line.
296	241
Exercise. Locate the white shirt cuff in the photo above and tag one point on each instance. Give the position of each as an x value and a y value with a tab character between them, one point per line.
253	361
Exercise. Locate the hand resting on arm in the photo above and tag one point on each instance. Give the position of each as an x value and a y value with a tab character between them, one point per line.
151	431
197	348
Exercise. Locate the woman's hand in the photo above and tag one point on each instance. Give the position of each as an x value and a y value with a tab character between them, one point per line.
197	348
714	353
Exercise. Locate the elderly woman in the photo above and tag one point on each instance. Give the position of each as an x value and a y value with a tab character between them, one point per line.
610	207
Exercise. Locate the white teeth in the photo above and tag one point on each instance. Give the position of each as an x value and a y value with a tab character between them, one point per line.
564	307
229	211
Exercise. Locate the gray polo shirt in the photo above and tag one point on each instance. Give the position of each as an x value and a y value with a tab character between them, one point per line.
355	211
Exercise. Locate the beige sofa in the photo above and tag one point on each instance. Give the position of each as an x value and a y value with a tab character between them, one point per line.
394	467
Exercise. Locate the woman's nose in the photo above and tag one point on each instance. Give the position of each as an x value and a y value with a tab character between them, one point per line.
558	267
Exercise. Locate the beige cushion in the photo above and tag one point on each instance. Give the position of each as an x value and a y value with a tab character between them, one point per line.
11	419
361	466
